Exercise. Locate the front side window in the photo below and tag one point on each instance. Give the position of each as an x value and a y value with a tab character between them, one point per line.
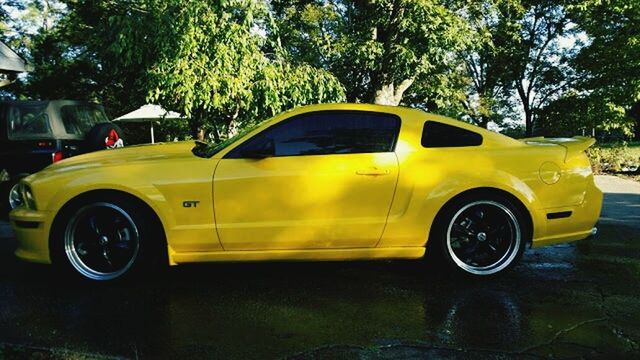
436	134
327	132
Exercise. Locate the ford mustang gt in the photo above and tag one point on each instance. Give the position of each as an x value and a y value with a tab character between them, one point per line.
322	182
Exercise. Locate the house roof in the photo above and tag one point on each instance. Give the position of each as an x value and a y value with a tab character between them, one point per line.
10	61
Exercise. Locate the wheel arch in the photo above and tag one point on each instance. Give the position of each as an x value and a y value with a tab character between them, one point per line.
486	191
102	194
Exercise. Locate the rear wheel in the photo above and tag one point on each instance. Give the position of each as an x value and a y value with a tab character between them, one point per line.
107	240
481	235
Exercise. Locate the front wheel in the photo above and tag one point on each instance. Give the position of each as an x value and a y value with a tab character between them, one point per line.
481	235
106	240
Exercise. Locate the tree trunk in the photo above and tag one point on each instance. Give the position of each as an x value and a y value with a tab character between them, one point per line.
528	113
528	123
195	124
484	121
389	94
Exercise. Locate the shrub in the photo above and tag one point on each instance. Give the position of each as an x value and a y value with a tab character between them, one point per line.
617	158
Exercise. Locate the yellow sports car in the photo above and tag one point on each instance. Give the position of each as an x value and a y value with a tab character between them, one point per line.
322	182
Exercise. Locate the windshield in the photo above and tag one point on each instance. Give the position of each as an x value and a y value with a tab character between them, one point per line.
28	121
79	119
209	150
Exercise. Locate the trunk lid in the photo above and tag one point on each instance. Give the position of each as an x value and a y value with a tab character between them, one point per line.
573	146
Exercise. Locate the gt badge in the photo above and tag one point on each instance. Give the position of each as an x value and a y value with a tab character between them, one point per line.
190	203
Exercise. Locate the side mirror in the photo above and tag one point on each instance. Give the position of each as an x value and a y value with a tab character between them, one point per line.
260	151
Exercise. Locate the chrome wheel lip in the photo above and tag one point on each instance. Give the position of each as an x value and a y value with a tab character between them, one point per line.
505	260
15	196
74	257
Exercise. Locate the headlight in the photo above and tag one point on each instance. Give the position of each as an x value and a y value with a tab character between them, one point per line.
15	196
28	197
20	195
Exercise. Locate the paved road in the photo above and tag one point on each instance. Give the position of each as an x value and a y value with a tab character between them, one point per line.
576	300
622	205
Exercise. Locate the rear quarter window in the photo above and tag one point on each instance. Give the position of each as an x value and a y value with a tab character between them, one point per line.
79	119
436	135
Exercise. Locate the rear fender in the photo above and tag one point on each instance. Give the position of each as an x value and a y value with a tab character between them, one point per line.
501	181
412	226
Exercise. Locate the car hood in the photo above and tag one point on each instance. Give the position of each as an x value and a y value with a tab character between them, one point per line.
129	154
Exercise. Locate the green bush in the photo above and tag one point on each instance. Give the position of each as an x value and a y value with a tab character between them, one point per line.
615	158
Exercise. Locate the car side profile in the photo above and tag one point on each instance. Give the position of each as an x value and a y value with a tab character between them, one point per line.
321	182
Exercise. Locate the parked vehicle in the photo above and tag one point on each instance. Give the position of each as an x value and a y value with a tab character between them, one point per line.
35	134
323	182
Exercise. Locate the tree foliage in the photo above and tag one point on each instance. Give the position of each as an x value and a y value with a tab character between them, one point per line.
536	63
488	96
205	59
610	64
579	114
381	50
564	67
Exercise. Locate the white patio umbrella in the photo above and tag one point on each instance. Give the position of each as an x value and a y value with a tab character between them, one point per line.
151	113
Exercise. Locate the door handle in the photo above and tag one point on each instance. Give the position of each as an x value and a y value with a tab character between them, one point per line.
372	171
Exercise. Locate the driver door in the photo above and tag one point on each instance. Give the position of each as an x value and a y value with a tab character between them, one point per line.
314	181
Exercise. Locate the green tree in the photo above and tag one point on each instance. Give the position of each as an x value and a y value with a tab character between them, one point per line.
535	63
610	63
383	51
21	23
488	97
579	113
205	59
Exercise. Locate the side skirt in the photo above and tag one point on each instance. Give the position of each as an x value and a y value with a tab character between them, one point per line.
299	255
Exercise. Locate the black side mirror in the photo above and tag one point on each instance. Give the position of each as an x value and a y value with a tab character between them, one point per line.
265	149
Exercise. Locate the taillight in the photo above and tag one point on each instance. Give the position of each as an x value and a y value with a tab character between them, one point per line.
57	156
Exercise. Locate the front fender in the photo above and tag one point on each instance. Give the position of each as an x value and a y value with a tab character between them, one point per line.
163	186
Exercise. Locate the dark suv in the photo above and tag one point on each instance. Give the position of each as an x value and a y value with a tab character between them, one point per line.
34	134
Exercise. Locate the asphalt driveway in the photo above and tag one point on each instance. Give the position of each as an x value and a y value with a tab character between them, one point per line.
573	300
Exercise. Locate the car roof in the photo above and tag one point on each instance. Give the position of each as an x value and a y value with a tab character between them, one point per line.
414	116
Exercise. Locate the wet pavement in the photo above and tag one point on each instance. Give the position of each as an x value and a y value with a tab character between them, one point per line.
574	300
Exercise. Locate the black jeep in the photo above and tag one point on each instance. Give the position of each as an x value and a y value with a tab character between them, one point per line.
34	134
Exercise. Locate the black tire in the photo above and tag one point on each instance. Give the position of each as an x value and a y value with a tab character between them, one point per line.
107	238
479	234
95	139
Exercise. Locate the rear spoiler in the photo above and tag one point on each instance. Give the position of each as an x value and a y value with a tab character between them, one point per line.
574	145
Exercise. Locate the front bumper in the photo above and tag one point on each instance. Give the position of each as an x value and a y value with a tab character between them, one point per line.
32	234
578	226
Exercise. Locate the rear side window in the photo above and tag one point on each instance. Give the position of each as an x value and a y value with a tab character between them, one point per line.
28	121
435	135
328	132
79	119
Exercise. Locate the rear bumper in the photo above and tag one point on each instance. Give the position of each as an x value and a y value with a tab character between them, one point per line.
32	235
578	226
